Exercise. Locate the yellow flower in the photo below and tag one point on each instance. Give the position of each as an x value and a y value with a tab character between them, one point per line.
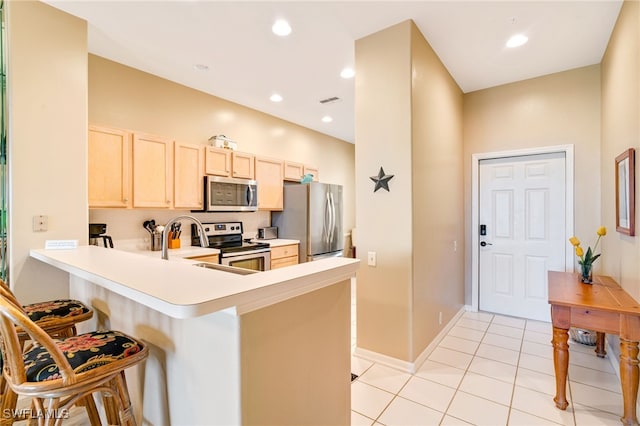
579	251
602	231
574	241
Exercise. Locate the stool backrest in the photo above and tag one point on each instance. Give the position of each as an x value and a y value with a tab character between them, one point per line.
12	315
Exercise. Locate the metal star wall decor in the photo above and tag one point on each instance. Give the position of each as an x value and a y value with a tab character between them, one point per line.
382	180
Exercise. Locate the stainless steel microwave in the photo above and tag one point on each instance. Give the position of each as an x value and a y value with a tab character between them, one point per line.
230	195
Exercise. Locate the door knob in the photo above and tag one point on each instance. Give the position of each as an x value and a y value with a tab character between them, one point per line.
484	244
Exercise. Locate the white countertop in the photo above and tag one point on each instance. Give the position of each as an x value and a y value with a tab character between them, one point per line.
180	290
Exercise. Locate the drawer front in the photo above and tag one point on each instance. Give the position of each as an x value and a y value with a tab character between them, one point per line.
211	258
284	251
284	261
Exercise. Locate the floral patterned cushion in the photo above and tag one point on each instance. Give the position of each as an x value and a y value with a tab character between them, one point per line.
84	352
55	309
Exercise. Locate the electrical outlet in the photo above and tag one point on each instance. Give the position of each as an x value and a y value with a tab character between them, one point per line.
371	258
40	223
455	245
440	318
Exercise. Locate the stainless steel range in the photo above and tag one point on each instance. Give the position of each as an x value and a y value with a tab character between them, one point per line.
234	251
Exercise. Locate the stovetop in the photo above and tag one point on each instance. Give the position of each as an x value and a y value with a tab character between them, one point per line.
226	237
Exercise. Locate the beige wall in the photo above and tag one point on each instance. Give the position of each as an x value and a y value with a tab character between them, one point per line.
408	120
620	131
120	96
437	177
556	109
47	121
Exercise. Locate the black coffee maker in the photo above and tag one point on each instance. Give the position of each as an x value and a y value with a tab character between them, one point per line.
97	232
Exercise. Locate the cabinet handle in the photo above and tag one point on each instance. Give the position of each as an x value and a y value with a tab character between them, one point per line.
125	200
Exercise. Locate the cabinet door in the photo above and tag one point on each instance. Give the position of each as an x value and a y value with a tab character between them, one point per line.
314	171
293	171
188	165
152	171
109	167
217	161
269	176
242	165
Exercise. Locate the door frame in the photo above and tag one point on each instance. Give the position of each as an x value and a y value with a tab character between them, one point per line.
475	205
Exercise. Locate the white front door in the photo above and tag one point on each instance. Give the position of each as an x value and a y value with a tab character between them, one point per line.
522	214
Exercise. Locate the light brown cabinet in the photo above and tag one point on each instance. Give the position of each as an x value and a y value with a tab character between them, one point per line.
282	256
242	165
217	161
293	171
269	175
209	258
314	171
109	167
188	168
152	171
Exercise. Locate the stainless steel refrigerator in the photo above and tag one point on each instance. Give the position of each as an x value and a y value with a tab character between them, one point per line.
312	214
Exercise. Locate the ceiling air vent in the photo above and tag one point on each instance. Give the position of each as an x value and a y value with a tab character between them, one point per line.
330	100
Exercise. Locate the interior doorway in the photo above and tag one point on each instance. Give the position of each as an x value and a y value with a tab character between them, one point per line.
522	216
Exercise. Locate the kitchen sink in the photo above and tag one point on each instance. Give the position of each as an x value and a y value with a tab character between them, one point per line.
225	268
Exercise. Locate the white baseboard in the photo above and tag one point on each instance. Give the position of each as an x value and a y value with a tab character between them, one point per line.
411	367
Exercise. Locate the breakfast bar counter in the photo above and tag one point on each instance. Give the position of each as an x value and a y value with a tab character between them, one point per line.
224	348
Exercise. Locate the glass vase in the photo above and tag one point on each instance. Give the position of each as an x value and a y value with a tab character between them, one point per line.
586	274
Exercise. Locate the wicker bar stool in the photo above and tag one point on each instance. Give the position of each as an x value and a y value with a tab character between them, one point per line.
58	318
59	373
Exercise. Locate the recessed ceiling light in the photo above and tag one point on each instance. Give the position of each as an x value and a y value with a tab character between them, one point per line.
347	73
275	98
281	28
327	119
517	40
201	67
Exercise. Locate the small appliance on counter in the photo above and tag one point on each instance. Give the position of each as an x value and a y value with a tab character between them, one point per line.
268	233
97	232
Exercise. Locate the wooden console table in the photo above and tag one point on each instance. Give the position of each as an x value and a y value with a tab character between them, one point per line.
606	308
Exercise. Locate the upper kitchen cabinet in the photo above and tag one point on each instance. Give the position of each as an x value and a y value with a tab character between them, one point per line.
188	168
270	178
242	165
152	171
293	171
109	167
314	171
217	161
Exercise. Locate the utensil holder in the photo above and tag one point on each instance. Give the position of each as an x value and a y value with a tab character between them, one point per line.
156	241
174	244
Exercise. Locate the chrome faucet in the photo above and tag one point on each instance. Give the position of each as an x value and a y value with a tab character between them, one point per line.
165	232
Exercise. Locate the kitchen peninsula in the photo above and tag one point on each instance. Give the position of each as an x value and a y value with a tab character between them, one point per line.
265	348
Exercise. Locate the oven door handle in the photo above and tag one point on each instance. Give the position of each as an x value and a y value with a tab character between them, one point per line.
243	253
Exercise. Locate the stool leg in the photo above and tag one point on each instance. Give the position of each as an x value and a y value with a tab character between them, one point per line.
126	416
92	410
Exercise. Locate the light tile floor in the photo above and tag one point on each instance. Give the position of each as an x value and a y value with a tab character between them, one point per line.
488	370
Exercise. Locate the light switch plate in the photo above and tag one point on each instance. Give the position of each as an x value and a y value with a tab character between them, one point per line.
40	223
371	258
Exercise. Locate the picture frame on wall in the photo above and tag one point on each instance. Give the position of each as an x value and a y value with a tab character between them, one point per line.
625	192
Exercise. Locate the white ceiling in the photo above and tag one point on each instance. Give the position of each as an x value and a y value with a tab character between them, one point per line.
247	62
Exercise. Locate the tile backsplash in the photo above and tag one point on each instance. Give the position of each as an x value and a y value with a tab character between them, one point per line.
127	224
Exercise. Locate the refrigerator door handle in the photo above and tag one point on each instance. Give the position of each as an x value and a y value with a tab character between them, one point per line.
333	218
327	218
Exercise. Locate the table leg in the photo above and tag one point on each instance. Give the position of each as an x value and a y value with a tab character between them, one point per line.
600	351
561	365
629	379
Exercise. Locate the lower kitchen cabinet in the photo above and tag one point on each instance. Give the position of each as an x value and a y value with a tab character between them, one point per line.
210	258
282	256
